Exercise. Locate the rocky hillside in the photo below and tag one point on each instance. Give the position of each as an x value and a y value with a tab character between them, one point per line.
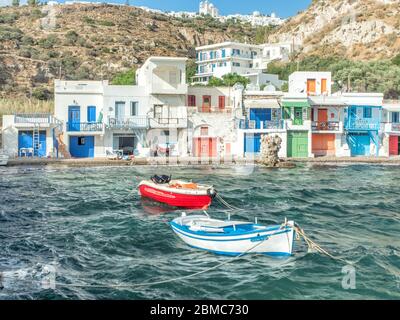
38	44
355	29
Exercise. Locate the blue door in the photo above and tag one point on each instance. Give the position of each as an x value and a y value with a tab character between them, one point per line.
74	118
252	142
359	144
260	115
25	144
91	114
81	147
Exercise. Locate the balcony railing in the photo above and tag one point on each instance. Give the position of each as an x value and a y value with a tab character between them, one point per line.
168	122
85	126
34	118
127	124
326	126
362	124
252	124
210	109
395	126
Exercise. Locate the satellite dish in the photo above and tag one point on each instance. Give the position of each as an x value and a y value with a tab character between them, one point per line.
270	88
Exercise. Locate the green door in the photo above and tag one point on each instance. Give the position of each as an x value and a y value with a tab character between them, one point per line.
298	116
297	145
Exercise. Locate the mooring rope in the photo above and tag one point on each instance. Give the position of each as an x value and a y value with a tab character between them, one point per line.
226	204
313	245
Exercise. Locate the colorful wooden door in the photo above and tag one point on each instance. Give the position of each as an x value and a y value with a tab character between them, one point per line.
252	143
322	119
206	107
323	144
74	118
394	145
297	145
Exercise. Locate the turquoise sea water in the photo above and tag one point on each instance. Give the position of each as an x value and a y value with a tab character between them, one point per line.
91	226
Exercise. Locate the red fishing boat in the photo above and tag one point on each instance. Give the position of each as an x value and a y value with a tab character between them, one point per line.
177	193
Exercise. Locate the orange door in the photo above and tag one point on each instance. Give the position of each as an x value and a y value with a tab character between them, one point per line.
323	86
228	149
206	104
311	86
323	144
322	119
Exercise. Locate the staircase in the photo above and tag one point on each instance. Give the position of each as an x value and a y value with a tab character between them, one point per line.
62	147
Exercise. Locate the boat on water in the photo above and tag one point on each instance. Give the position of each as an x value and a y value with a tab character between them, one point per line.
3	159
234	237
177	193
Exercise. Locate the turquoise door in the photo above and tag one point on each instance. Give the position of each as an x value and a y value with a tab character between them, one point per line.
74	118
359	144
252	143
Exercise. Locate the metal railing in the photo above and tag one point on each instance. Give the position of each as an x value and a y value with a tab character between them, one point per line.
395	126
129	123
167	122
362	124
211	109
326	126
84	126
34	118
252	124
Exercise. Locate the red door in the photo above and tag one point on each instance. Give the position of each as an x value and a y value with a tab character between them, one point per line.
394	145
205	147
322	119
221	103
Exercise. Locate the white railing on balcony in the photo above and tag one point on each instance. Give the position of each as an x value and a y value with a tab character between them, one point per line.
34	118
127	123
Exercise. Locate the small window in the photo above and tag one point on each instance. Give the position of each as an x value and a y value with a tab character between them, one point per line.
395	117
81	141
204	131
134	108
367	112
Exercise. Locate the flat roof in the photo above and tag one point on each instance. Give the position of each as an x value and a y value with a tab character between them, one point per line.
228	43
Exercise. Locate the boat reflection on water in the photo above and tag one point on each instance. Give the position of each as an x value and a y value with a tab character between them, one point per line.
154	208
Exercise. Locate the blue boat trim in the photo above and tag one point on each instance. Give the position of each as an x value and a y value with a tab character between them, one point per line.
178	230
235	254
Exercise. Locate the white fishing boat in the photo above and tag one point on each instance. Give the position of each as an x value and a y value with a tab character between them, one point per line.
234	237
3	159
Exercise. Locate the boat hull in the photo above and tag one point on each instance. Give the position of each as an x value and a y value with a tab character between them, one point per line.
174	199
276	242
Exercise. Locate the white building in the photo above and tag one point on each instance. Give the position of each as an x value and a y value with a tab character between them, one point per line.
255	19
207	8
246	60
311	83
101	118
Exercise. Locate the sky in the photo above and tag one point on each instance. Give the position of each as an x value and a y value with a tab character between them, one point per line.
283	8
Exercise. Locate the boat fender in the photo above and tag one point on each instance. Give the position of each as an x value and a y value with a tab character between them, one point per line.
212	192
